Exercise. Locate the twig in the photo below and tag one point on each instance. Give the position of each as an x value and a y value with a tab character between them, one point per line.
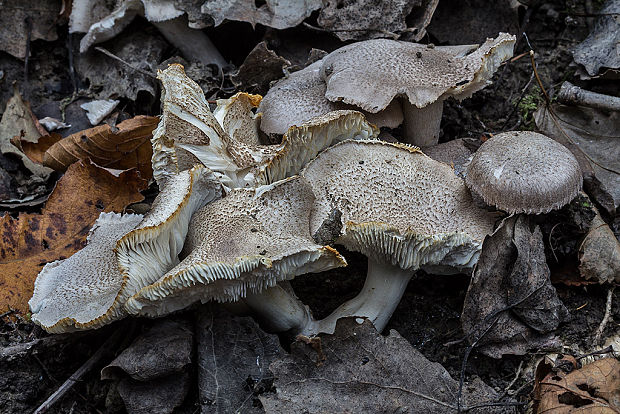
574	95
7	313
517	375
28	22
608	350
129	65
102	352
606	317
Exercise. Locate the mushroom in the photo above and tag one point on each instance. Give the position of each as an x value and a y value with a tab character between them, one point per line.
123	254
301	96
401	209
524	172
81	292
189	133
370	74
238	248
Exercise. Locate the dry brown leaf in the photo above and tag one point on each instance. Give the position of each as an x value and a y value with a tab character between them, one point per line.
593	389
122	147
32	240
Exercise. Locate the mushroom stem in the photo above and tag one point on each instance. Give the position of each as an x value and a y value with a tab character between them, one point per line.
382	291
422	124
277	309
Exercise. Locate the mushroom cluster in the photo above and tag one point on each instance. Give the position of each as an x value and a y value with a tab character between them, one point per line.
236	219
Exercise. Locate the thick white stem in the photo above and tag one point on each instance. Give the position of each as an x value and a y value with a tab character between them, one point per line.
382	291
422	124
278	309
193	43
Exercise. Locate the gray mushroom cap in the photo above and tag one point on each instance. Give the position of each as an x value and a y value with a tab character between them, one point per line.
301	96
524	172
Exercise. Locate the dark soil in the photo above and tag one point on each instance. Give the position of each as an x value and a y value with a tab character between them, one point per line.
429	313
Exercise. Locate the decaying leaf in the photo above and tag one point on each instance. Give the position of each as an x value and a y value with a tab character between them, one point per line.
112	79
233	360
259	68
122	147
599	253
272	13
371	19
18	120
154	369
365	372
32	240
511	305
592	389
600	49
593	131
19	17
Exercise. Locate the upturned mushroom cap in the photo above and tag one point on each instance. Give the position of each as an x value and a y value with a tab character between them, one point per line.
398	206
235	116
524	172
372	73
81	292
152	248
245	242
186	122
301	96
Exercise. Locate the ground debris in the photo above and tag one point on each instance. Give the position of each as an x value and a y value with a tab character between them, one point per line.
511	305
365	372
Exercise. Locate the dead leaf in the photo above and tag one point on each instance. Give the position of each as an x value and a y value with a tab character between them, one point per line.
233	359
113	79
595	133
272	13
42	18
365	372
122	147
599	253
32	240
511	305
592	389
18	120
371	19
600	49
259	68
154	369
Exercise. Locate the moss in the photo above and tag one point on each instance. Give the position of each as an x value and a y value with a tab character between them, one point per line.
528	105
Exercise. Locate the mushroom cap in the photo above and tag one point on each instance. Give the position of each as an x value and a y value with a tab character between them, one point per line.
152	248
186	122
81	292
235	116
524	172
370	74
397	206
247	241
301	96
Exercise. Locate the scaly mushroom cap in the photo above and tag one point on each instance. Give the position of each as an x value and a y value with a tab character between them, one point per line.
186	122
152	248
524	172
398	206
372	73
301	96
245	242
81	292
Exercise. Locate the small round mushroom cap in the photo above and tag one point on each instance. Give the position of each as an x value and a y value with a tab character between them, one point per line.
397	206
524	172
301	96
372	73
152	248
246	242
81	292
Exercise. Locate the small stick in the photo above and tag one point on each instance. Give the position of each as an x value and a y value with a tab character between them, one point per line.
574	95
113	56
110	343
606	317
